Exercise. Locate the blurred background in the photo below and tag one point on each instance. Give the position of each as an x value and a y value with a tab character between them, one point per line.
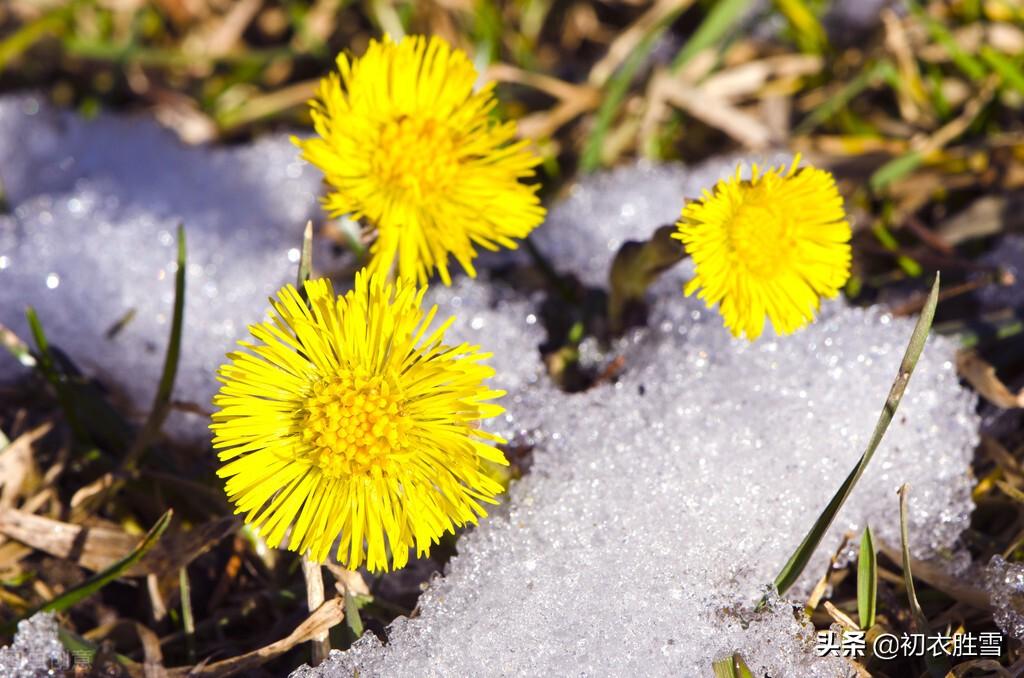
917	106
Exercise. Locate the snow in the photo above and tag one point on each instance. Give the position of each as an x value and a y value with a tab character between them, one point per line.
1007	257
91	237
36	650
658	506
1005	584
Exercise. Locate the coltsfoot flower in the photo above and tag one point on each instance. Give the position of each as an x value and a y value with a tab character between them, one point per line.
350	417
407	145
772	246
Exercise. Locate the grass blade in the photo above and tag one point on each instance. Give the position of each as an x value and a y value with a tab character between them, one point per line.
614	94
352	616
798	561
47	366
719	20
867	580
96	582
970	66
938	666
306	259
809	34
908	580
1007	70
187	619
162	401
731	667
895	169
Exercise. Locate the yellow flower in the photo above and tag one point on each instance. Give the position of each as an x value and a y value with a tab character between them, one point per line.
349	417
771	246
406	144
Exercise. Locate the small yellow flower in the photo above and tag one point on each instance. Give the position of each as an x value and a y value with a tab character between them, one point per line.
406	144
349	417
771	246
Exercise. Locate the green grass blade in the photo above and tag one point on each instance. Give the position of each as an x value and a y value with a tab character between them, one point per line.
731	667
970	66
867	580
78	593
306	259
614	94
839	101
722	17
352	616
895	169
47	366
51	23
798	561
162	401
807	30
187	619
908	578
938	666
1007	70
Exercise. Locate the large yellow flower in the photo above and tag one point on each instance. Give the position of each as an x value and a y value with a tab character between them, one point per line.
407	145
346	417
771	246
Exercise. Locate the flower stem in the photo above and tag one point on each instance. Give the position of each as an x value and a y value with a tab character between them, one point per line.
314	599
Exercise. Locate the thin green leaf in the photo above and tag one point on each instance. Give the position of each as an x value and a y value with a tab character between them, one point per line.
895	169
908	579
78	593
306	258
352	618
1007	70
188	621
162	401
889	242
17	43
867	580
47	366
938	666
722	17
81	647
808	31
970	66
798	561
838	101
731	667
614	94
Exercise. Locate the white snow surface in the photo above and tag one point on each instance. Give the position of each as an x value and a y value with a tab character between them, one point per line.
91	236
36	650
1005	585
658	507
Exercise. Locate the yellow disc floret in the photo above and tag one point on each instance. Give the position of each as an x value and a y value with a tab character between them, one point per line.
348	421
355	424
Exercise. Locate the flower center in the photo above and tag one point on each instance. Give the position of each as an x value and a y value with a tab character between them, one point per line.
416	156
761	236
354	424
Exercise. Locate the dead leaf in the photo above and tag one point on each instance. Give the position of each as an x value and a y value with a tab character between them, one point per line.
328	615
348	580
982	376
96	548
712	111
17	464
